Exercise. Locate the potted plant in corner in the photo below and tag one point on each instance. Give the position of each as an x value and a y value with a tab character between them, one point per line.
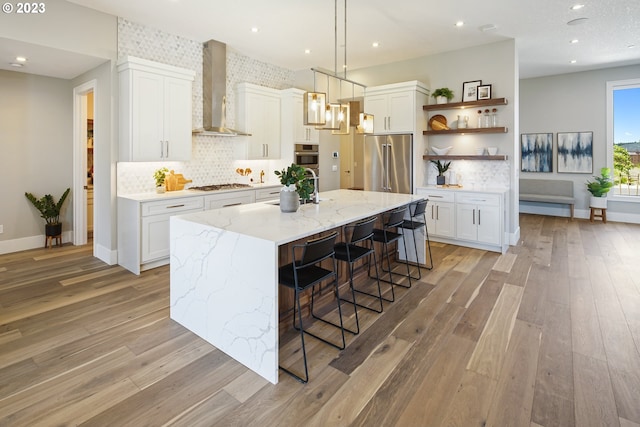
50	211
159	175
442	95
442	168
296	186
599	188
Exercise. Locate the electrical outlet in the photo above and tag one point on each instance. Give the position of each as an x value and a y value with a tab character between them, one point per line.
1	228
334	168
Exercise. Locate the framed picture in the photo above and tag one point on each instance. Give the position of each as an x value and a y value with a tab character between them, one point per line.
536	152
484	92
470	90
575	152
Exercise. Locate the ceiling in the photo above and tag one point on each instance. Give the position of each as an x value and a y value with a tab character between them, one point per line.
404	29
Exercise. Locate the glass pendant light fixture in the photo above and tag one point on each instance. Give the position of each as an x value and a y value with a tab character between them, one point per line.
332	111
315	105
366	124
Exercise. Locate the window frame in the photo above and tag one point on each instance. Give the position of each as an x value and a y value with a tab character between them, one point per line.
611	86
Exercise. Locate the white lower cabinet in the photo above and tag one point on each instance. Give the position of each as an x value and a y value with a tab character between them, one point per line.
466	218
268	194
478	218
224	200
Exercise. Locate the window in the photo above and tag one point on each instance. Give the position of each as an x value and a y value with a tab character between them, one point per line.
623	128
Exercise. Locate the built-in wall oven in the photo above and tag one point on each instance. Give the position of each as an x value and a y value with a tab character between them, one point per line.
307	155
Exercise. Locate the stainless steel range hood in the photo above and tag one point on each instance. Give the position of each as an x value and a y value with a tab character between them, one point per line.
214	91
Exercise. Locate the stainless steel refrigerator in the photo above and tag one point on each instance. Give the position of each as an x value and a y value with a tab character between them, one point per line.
387	163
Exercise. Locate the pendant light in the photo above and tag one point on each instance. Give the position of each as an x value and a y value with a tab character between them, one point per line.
315	104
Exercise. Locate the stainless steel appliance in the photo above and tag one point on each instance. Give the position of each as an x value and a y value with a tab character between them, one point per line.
387	163
308	156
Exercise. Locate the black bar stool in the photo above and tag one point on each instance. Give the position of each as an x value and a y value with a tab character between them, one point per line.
359	246
417	210
303	273
394	220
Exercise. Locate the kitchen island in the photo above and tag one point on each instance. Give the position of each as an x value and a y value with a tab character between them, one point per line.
224	268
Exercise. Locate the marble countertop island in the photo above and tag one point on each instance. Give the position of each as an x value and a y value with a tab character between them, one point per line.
224	268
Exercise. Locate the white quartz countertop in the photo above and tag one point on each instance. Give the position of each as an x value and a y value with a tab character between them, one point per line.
265	221
470	189
148	197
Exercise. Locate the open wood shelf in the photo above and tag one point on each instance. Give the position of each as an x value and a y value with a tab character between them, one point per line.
467	130
464	157
464	105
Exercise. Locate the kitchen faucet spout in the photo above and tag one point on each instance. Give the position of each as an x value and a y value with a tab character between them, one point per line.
316	191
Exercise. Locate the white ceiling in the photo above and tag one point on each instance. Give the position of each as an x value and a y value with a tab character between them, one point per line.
404	28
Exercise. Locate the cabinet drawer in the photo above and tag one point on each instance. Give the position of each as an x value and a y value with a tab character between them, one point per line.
268	194
172	206
436	196
480	199
224	200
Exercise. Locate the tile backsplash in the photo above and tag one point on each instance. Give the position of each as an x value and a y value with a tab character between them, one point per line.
212	160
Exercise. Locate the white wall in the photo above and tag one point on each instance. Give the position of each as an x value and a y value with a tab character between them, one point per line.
36	142
573	103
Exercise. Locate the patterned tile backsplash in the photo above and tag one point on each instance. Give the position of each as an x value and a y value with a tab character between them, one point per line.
212	160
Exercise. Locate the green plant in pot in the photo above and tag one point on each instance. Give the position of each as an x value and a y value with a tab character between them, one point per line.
442	95
442	168
49	210
599	188
296	186
159	176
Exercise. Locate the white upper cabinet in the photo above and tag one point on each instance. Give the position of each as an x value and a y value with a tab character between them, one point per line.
155	111
394	106
293	127
258	113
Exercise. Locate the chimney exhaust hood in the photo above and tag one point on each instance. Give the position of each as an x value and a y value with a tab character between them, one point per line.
214	91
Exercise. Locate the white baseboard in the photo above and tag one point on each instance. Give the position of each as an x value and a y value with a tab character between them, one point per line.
31	242
105	254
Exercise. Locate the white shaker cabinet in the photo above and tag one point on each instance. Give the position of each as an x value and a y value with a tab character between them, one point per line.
440	212
155	111
232	198
258	113
293	131
394	106
478	217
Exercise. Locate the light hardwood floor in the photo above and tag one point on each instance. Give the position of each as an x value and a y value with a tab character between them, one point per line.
545	335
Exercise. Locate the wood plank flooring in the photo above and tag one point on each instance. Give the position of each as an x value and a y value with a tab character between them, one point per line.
545	335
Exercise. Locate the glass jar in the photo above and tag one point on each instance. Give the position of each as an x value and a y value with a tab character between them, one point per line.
479	118
486	119
494	118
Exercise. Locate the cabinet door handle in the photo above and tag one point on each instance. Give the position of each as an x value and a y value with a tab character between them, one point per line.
389	122
231	204
432	212
162	149
175	206
167	149
474	217
437	213
434	197
478	216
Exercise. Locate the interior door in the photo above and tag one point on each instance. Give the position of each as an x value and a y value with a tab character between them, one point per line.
346	161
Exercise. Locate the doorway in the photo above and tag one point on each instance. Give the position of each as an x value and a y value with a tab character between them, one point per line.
84	143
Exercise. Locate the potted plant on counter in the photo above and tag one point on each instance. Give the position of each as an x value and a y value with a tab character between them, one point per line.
599	188
442	168
160	175
442	95
49	210
296	186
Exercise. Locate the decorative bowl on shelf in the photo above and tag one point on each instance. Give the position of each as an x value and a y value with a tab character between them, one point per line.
441	151
492	151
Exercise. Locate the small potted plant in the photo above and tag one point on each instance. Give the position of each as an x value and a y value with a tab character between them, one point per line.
49	210
442	168
296	186
159	175
442	95
599	188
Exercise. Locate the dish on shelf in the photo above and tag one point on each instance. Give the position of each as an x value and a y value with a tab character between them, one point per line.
438	122
441	151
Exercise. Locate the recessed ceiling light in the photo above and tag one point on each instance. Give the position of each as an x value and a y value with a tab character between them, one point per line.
577	21
15	64
21	59
573	61
255	29
488	27
574	41
307	51
459	23
576	7
375	44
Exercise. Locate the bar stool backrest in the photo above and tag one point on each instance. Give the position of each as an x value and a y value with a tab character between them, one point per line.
396	217
420	207
362	230
318	249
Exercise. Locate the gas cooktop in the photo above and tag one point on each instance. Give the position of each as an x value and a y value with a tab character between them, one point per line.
218	187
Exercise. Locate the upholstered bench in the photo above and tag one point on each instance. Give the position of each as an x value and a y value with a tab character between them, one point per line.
547	191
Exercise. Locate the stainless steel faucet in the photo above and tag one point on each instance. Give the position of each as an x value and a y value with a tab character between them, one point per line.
316	192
